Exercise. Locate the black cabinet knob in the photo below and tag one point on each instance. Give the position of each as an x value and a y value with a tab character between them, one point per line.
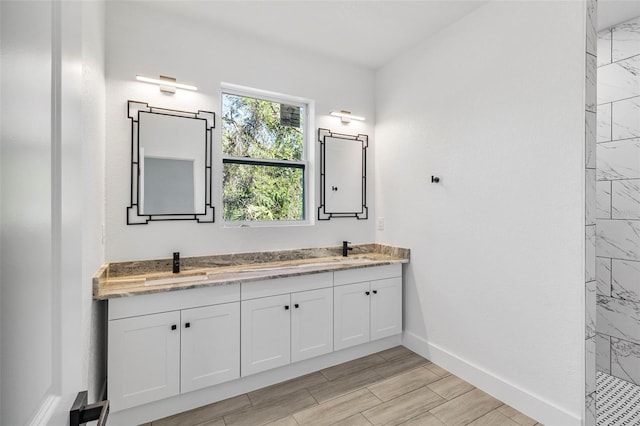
334	188
187	324
174	327
367	292
296	306
375	291
286	307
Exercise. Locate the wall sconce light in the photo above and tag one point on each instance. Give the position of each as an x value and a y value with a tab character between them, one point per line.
346	116
167	84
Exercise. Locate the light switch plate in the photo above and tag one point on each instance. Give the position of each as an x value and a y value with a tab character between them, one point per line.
380	223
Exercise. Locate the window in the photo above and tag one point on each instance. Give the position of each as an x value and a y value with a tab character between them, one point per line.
263	157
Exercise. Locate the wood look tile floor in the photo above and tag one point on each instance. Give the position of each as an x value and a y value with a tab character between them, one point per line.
392	387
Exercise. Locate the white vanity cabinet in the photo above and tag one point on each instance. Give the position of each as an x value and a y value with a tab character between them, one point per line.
285	320
157	350
266	333
311	323
351	315
210	346
144	359
170	343
386	307
367	305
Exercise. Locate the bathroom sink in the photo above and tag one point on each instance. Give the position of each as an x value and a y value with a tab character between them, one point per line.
336	261
196	277
176	280
351	260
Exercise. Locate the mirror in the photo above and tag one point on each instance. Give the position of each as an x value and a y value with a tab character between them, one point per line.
343	175
170	164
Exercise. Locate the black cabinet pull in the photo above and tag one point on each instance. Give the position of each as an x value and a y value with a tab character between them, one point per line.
174	327
375	291
367	292
187	324
286	307
296	306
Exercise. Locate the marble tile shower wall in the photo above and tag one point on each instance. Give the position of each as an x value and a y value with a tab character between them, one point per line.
590	214
618	202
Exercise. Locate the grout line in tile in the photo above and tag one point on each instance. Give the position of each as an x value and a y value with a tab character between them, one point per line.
434	415
346	393
429	363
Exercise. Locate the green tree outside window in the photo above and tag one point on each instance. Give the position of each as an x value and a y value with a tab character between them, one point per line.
263	160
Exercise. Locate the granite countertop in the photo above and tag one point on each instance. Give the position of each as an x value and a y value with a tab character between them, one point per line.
121	279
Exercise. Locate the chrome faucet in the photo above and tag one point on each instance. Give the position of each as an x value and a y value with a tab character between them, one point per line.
346	248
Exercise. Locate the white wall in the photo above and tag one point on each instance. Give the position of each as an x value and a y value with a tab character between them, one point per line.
1	204
52	201
494	105
144	41
26	263
93	190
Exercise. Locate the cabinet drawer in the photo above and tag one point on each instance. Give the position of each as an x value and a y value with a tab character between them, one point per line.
266	288
145	304
359	275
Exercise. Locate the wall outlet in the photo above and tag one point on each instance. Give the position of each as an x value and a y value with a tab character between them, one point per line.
380	224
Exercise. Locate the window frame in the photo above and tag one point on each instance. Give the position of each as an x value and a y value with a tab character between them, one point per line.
306	164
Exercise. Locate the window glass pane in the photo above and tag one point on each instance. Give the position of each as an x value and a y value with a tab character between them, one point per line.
262	193
261	129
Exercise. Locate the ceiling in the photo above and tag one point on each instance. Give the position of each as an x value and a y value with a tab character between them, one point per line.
368	33
612	12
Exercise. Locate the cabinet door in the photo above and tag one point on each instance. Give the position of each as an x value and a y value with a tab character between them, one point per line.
265	333
311	323
351	315
343	175
210	347
386	307
143	359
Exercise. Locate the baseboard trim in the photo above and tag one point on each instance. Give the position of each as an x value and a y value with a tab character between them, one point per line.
528	403
47	409
179	403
